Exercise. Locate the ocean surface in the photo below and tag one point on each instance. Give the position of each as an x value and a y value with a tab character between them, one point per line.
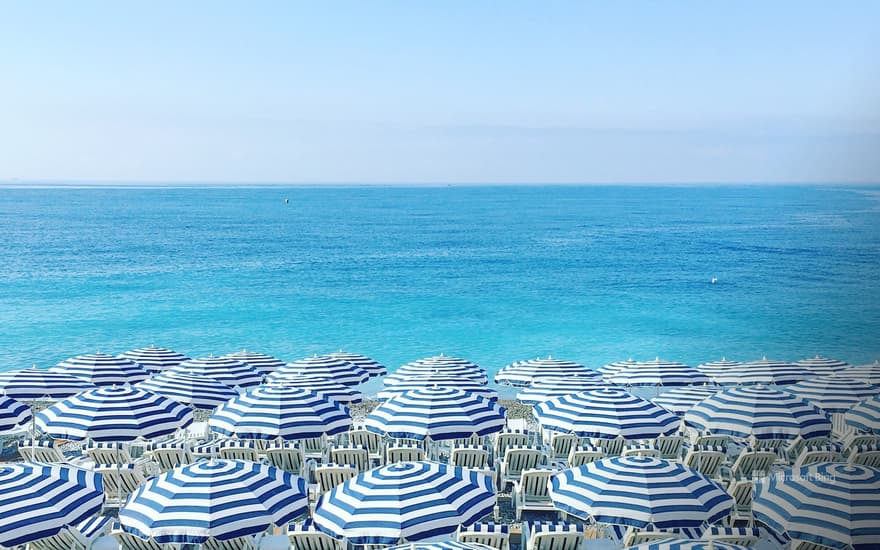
493	274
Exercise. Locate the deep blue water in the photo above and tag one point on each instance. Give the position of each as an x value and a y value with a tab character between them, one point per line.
493	274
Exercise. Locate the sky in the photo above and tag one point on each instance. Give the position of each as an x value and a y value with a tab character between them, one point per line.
440	92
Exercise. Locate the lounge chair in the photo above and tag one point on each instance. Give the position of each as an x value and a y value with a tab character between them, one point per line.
584	455
516	459
743	536
239	449
127	541
670	446
742	491
171	454
371	441
531	492
404	453
358	456
76	537
248	542
493	535
609	447
553	536
560	447
816	454
797	445
469	456
869	455
289	457
706	460
750	464
712	440
120	480
40	450
641	450
328	476
307	536
315	448
508	439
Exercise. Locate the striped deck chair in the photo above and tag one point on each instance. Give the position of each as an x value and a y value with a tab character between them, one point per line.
750	463
493	535
248	542
815	454
610	447
328	476
560	447
289	457
859	440
371	441
469	456
474	439
507	439
798	444
552	536
170	454
108	452
239	449
584	455
743	536
807	545
631	536
120	480
670	446
40	450
868	455
706	460
208	449
307	536
640	449
742	491
127	541
76	537
531	492
712	440
404	453
315	448
358	456
777	446
516	459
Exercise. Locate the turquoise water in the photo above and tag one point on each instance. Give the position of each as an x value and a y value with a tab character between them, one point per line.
493	274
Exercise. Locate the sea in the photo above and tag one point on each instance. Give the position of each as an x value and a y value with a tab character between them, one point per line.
494	274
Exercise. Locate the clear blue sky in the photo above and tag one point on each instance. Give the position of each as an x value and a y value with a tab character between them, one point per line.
444	91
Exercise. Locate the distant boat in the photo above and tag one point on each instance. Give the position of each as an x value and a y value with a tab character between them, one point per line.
286	200
714	280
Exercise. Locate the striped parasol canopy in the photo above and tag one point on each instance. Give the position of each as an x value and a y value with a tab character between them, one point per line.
611	368
438	381
716	368
103	370
605	414
155	359
657	373
323	366
765	371
833	394
340	393
640	492
547	388
35	384
443	365
117	413
865	416
834	504
405	501
869	373
822	366
39	500
686	544
260	362
12	413
373	367
194	390
216	499
231	372
526	373
681	400
436	413
272	412
759	412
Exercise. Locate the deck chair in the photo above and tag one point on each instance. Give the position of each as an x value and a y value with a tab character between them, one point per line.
328	476
670	446
469	456
712	440
743	536
859	440
474	439
798	444
37	450
531	492
358	457
289	457
314	448
127	541
742	491
816	454
239	449
777	446
76	537
370	441
516	459
641	450
584	455
609	447
706	460
634	536
171	454
404	453
108	452
208	449
869	455
552	536
750	464
560	447
507	439
247	542
120	480
307	536
806	545
493	535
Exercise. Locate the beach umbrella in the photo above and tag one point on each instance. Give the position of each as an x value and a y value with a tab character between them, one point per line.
442	545
117	413
340	393
408	383
323	366
35	384
272	412
831	503
765	371
822	366
759	412
103	370
443	365
543	388
190	389
373	367
866	373
260	362
525	373
712	369
216	499
605	414
833	394
685	544
436	413
657	373
231	372
640	492
12	413
681	400
39	500
405	501
611	368
865	416
155	359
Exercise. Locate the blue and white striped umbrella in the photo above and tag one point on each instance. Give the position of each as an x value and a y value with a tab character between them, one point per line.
865	416
713	369
833	394
822	366
323	366
765	371
436	413
438	381
657	373
155	359
340	393
190	389
605	414
103	370
442	545
12	413
681	400
35	384
271	412
866	373
686	544
260	362
39	500
443	365
231	372
543	389
405	501
759	412
113	414
831	503
216	499
612	368
373	367
640	491
525	373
